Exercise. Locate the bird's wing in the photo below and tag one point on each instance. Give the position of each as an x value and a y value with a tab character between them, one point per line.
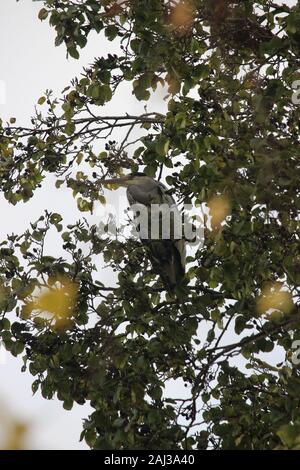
166	196
168	255
138	195
154	192
180	246
166	261
130	196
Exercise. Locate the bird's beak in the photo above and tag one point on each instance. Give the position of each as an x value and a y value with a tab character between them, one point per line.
120	181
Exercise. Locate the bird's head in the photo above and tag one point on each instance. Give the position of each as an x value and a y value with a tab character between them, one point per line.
126	180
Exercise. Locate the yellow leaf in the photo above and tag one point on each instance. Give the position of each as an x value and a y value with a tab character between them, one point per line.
102	199
182	15
7	152
59	299
274	298
219	209
15	436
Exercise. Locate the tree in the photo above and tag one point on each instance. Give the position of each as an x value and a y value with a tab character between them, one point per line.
230	142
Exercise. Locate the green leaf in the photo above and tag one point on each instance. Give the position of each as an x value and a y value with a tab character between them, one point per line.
43	14
111	32
41	100
73	52
290	435
70	128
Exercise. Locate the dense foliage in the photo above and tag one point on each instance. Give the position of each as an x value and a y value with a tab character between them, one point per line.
229	141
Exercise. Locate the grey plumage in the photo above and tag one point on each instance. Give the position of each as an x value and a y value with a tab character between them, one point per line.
167	254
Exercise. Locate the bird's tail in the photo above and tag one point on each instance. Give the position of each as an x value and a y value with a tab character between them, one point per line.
167	263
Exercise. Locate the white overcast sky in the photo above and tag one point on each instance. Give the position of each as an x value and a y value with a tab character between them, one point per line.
30	64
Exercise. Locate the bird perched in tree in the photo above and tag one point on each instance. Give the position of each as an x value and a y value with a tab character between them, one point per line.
167	254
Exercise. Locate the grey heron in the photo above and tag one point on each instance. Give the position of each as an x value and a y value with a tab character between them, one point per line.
166	254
